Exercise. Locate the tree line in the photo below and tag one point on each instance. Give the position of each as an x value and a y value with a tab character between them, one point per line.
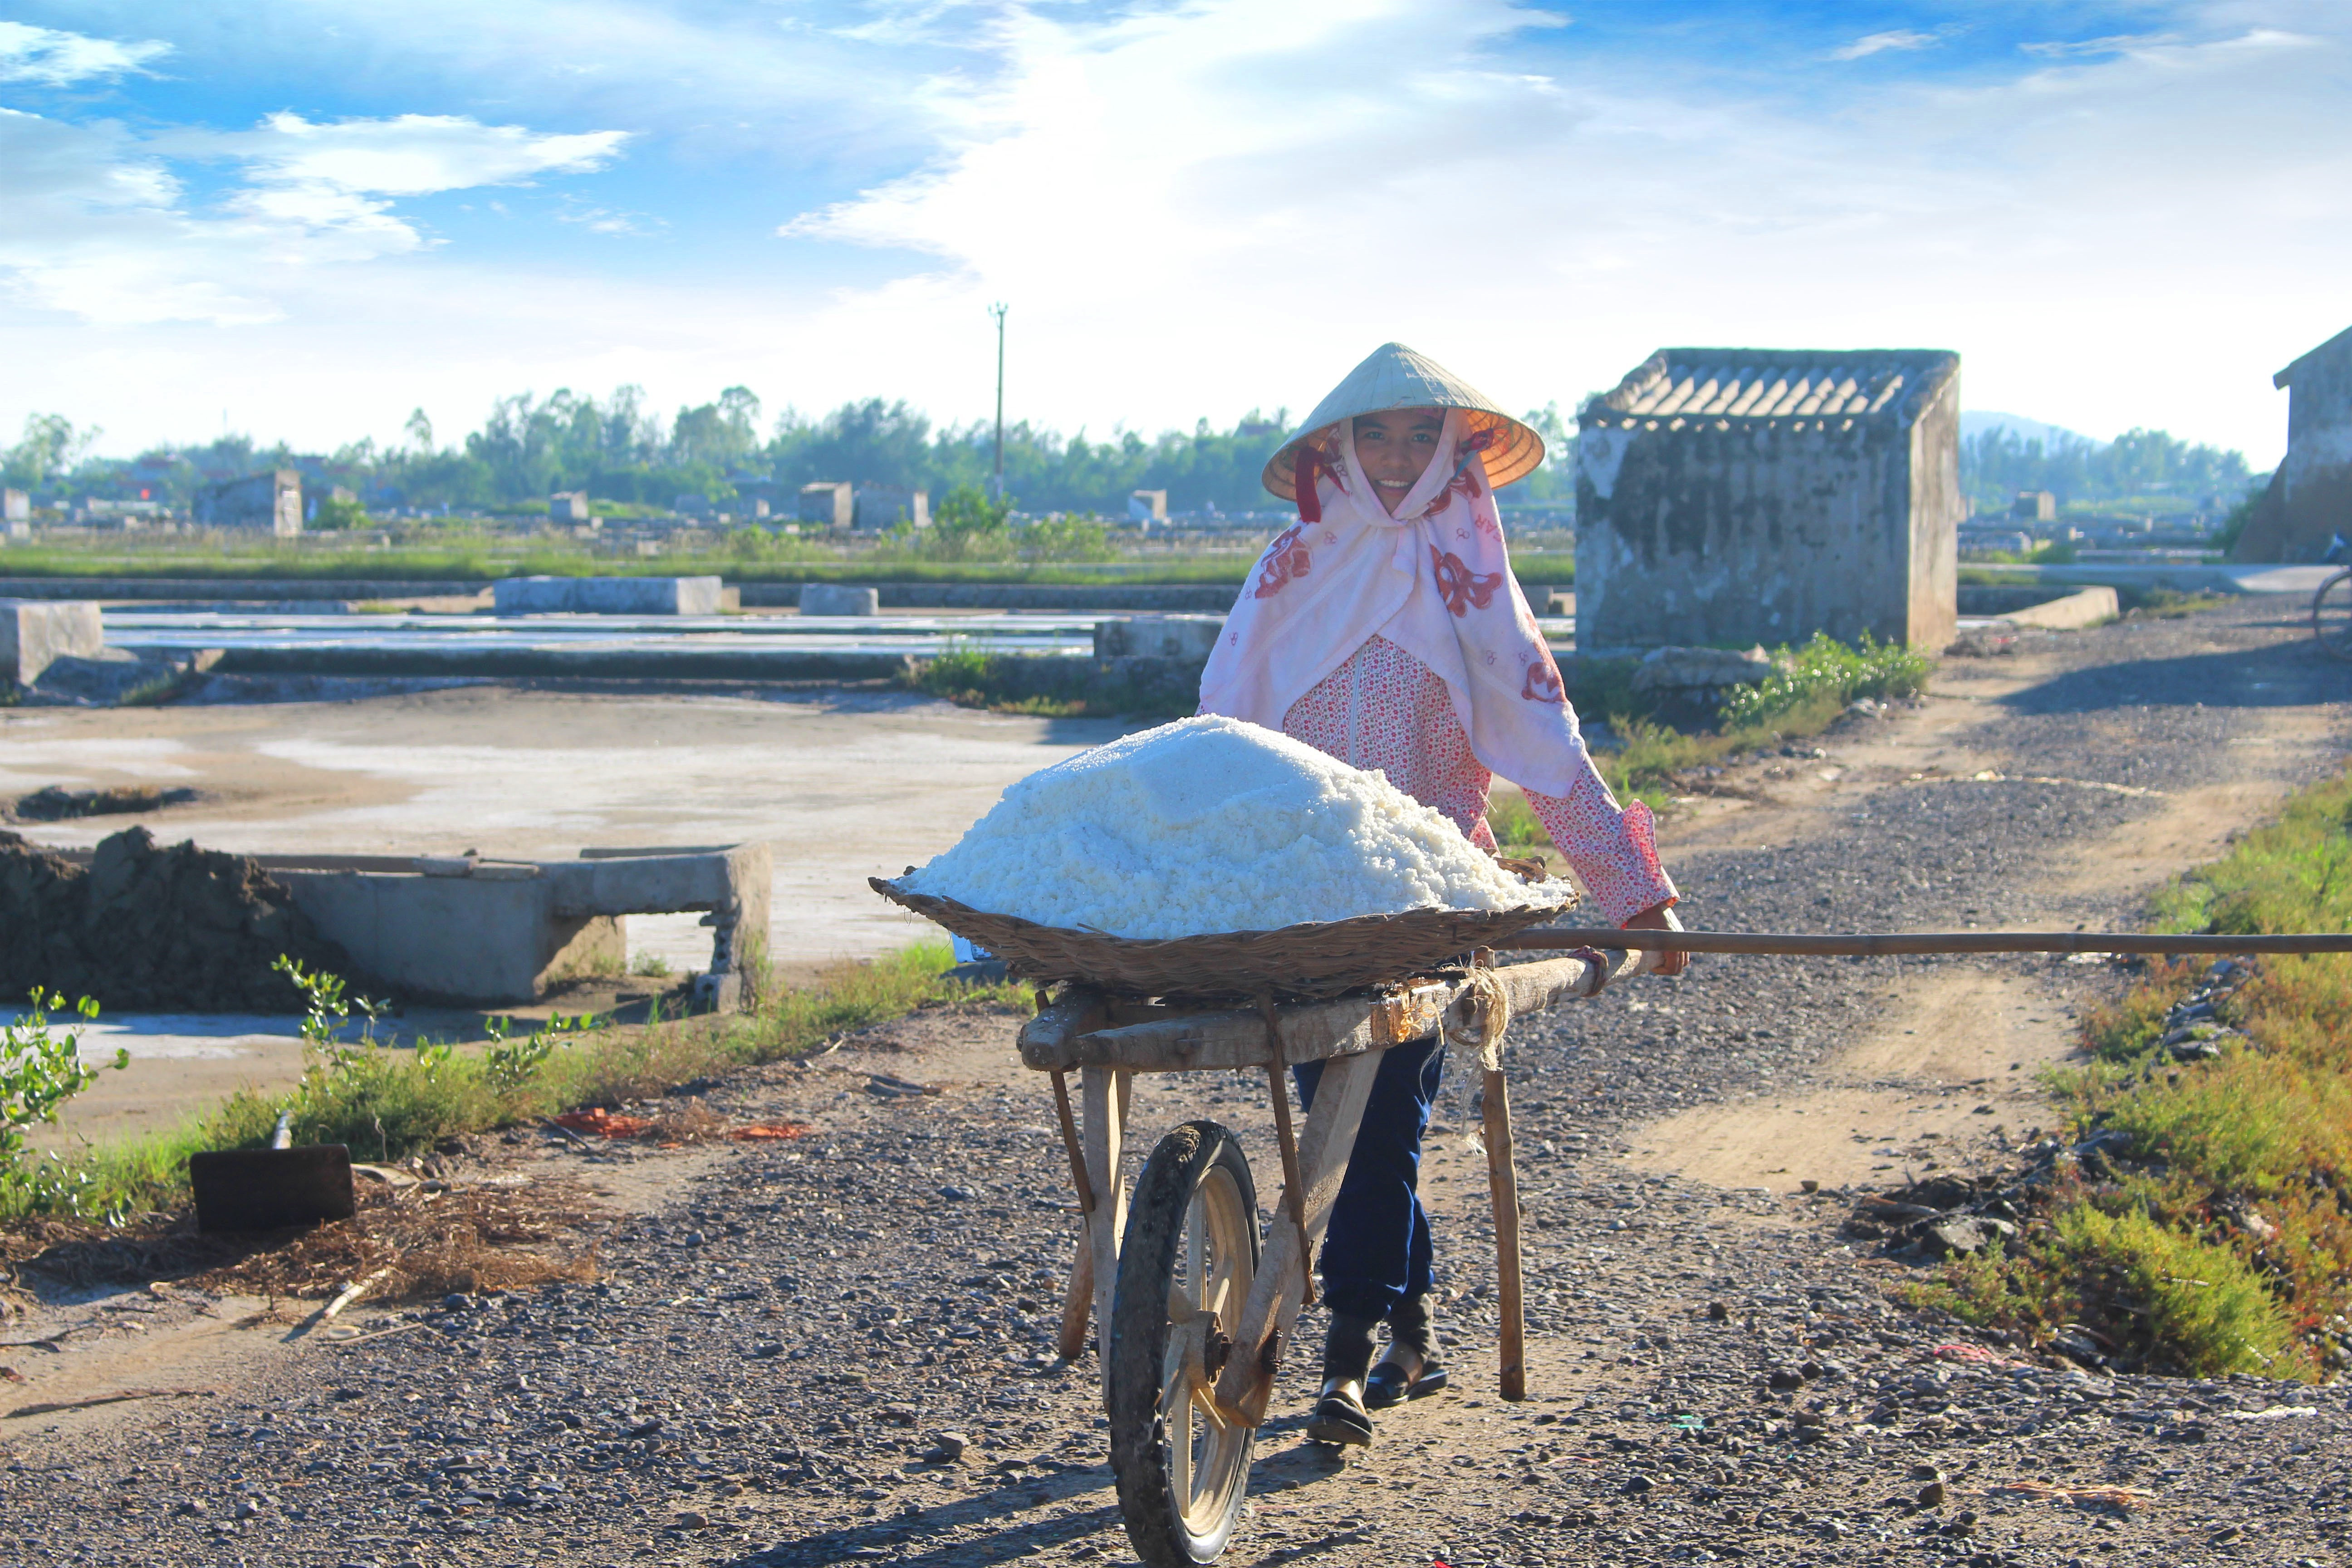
617	448
1997	463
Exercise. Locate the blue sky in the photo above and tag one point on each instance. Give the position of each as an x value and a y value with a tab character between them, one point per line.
304	217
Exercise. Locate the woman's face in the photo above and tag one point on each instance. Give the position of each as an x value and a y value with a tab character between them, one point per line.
1393	447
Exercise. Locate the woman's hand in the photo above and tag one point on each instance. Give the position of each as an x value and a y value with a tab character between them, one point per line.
1662	918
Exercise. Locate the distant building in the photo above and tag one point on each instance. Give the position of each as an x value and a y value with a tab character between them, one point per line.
568	506
887	505
272	500
2036	506
829	503
1739	496
1147	507
15	505
2310	496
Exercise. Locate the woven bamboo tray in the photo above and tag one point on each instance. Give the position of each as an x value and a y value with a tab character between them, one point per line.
1318	959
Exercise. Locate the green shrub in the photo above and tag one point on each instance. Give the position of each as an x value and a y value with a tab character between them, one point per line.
336	513
1826	672
40	1071
2225	1242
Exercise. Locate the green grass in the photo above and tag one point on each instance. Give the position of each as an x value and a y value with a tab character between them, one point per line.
1816	684
388	1102
2162	1257
1051	686
456	552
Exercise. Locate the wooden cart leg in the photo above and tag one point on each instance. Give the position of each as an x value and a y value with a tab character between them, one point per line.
1079	1303
1246	1387
1106	1091
1503	1180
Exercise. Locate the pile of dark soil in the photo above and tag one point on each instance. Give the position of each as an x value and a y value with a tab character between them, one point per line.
57	803
148	928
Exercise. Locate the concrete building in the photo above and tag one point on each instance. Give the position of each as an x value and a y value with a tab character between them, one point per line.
2310	496
887	505
568	506
272	500
1147	507
828	504
1740	496
2034	506
15	505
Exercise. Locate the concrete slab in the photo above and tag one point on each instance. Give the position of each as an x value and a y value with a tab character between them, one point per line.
34	636
1157	636
606	596
2084	607
839	599
841	785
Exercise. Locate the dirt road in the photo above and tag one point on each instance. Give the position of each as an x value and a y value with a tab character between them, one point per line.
782	1332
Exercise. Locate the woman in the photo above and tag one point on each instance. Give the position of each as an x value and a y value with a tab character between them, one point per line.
1386	630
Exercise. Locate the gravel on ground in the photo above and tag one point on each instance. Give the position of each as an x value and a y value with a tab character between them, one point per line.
840	1348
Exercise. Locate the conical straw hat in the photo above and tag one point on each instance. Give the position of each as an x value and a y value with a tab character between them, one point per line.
1393	376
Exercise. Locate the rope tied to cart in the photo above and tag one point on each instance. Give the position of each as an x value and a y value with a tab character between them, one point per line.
1472	1029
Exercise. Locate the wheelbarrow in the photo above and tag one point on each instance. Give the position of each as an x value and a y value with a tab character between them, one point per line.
1194	1310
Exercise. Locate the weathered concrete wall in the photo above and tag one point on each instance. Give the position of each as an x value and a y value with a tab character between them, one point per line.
1159	636
496	933
606	596
1733	528
2310	497
1934	568
839	599
272	500
35	636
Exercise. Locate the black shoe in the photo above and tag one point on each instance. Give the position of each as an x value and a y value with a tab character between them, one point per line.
1393	1381
1341	1417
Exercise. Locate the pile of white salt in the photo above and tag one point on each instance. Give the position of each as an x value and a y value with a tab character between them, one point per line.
1212	824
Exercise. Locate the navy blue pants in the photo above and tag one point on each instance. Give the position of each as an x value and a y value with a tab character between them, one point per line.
1376	1251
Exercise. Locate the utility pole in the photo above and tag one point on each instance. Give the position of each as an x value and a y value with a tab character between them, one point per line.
998	310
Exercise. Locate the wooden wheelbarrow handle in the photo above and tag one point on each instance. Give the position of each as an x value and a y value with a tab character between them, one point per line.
1873	944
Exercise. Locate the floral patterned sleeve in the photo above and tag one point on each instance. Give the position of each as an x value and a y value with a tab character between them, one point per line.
1384	709
1615	852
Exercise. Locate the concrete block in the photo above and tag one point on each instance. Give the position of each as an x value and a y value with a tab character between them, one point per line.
839	599
34	634
497	932
606	596
1685	668
2087	607
1157	636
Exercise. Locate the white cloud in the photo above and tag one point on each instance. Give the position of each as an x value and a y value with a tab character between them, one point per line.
1194	208
56	58
404	156
1197	209
99	226
1879	43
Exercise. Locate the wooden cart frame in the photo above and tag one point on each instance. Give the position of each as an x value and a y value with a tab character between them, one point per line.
1107	1040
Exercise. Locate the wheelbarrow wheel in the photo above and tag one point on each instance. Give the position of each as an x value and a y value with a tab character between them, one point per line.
1184	1271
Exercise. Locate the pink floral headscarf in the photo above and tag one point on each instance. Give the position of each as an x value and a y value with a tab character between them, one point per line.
1435	579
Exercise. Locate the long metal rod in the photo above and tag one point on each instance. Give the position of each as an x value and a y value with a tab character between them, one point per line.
1880	943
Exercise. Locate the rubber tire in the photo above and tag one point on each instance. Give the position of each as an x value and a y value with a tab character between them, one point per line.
1139	1341
2331	615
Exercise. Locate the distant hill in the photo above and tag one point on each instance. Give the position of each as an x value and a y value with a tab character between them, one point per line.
1976	422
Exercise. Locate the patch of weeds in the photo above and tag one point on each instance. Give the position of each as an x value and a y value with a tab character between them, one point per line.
2208	1228
40	1071
1824	676
652	965
385	1101
162	691
1054	686
2163	604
